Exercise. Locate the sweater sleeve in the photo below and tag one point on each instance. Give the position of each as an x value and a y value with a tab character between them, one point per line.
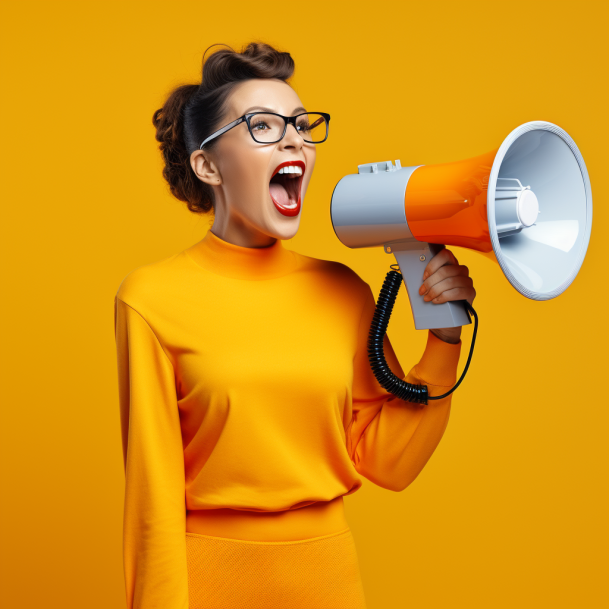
391	440
154	526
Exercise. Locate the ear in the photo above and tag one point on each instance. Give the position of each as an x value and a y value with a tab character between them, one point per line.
205	169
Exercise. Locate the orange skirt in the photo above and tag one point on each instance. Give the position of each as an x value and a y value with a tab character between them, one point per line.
313	573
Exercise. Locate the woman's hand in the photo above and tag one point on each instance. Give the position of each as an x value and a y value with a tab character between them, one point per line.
445	279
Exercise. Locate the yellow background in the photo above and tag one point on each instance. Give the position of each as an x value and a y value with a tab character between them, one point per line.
511	510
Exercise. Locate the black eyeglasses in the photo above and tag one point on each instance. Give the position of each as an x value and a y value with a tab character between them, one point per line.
270	128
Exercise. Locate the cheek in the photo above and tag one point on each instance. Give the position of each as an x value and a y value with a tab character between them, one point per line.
310	157
247	186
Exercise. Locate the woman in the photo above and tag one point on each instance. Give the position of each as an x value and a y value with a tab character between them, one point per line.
248	406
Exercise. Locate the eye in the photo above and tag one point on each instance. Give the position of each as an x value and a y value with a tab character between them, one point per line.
303	125
260	125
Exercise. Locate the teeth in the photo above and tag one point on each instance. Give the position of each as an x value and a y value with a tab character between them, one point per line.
291	169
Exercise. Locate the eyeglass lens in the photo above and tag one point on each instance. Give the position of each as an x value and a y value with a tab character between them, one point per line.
268	128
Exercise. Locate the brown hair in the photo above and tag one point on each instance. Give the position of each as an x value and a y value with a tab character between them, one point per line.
193	112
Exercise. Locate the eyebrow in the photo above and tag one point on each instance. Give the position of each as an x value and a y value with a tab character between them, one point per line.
271	110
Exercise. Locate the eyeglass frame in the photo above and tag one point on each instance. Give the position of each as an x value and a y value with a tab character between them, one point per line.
287	120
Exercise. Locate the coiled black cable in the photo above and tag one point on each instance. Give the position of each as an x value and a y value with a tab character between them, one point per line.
376	355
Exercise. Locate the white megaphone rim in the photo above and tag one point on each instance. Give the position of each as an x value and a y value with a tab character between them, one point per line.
503	149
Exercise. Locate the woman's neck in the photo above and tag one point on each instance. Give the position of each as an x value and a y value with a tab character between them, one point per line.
239	233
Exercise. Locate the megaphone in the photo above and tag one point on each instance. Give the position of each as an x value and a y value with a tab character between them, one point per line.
527	206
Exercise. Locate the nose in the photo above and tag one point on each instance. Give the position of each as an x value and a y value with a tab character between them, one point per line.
292	138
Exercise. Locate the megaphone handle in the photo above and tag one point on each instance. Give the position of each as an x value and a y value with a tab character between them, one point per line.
413	257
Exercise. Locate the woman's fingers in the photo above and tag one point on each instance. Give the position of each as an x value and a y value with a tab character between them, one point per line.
445	279
445	256
443	290
443	273
459	293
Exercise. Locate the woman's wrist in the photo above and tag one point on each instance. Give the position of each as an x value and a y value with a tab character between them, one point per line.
448	335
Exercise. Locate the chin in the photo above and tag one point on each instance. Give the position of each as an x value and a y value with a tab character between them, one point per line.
286	229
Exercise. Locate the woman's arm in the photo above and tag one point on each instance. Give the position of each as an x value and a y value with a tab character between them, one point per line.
391	440
154	540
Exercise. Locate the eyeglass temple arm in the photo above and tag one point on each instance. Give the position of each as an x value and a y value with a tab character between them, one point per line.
318	121
292	120
221	131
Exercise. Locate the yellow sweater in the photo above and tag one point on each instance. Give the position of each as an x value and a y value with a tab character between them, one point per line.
244	383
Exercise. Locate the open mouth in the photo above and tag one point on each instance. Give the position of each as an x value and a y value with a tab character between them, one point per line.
284	188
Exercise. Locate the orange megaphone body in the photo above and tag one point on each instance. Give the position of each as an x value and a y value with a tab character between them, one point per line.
447	203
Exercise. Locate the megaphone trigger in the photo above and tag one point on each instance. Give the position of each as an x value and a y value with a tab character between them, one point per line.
412	258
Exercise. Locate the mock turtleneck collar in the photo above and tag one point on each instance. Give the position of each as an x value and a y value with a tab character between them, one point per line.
254	263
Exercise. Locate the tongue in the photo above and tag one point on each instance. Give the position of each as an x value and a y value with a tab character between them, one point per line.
279	193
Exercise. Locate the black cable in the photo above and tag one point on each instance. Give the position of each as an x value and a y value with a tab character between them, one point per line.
376	355
469	357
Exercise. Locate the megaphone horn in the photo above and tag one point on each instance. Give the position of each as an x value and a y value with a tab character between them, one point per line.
527	206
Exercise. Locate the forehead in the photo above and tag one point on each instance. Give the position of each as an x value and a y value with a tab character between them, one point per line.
273	94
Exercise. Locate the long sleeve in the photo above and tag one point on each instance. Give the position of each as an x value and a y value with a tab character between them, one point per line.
154	544
391	440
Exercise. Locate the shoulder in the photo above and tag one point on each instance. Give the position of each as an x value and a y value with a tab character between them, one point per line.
335	273
143	284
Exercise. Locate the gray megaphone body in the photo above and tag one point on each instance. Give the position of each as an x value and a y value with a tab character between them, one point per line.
527	206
